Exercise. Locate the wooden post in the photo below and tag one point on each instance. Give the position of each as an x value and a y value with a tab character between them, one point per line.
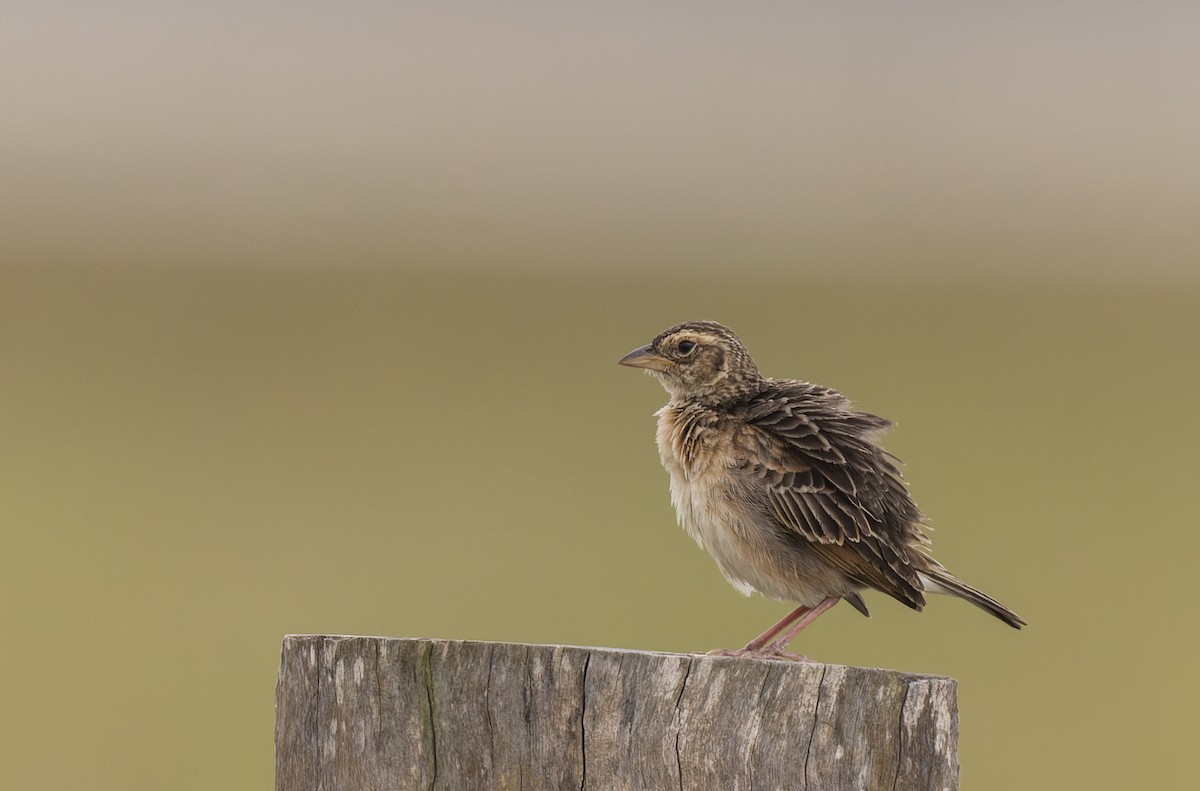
368	713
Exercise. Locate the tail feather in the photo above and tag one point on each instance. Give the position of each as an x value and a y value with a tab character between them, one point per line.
939	580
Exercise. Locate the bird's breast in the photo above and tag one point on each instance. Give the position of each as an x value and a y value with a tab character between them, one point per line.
696	456
688	448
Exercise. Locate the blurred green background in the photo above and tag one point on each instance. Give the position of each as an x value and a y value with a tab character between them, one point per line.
309	320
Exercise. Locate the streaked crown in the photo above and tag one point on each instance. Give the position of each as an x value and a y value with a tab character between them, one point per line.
699	360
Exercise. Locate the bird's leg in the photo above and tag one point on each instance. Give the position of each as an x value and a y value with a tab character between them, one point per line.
763	639
780	643
755	646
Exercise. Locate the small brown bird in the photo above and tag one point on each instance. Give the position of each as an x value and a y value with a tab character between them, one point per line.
785	485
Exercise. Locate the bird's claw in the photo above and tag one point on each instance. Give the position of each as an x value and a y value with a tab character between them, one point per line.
760	653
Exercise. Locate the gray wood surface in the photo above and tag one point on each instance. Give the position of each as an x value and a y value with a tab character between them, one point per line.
383	713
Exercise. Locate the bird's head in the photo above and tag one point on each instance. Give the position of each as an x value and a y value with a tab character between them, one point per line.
698	361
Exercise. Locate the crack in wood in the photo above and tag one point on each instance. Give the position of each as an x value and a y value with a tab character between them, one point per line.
433	742
679	715
815	723
900	736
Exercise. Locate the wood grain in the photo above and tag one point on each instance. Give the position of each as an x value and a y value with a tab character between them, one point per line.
384	713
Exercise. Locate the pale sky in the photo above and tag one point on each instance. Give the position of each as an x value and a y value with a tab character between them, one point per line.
1014	137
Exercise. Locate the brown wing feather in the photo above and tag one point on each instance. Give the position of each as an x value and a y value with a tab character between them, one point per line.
821	476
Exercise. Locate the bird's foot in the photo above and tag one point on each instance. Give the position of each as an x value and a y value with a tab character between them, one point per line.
759	653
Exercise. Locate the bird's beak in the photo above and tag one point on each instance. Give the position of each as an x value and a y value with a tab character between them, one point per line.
646	357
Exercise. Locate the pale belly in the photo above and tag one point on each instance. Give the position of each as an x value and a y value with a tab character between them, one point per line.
745	554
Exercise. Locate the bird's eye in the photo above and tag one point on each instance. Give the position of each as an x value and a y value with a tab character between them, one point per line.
687	347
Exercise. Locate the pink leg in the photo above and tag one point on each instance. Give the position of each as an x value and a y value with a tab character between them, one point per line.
768	646
778	645
779	626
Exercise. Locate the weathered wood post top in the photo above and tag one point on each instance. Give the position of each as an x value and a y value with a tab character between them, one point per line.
386	713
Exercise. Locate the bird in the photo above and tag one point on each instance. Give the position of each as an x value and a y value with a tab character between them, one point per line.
787	486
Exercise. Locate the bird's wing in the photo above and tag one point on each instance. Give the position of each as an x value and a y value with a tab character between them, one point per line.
816	470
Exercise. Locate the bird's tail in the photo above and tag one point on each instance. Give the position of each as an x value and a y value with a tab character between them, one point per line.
939	580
